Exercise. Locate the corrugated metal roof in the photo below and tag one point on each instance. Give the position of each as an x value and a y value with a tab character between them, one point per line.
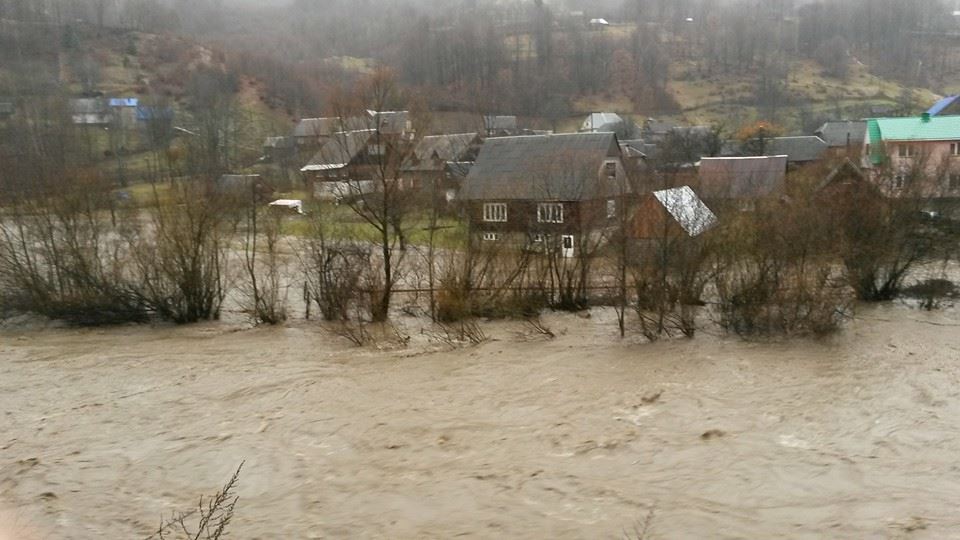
939	106
797	149
742	177
916	128
339	151
124	102
876	142
603	121
691	213
325	127
840	133
562	167
444	147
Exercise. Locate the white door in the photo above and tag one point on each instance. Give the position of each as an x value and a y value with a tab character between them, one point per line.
567	245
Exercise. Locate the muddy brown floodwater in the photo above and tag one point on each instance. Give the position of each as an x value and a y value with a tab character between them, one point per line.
582	436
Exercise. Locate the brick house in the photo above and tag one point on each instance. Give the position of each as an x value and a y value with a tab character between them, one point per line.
914	156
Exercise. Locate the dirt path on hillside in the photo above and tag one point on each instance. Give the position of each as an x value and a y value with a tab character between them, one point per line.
578	437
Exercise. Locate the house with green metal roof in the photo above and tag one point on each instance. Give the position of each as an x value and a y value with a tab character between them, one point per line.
919	154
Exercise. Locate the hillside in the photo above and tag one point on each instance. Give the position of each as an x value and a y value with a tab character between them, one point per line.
158	70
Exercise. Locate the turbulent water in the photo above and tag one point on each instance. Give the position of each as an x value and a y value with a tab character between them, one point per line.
582	436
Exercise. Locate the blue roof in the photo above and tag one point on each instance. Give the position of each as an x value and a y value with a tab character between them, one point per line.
942	104
124	102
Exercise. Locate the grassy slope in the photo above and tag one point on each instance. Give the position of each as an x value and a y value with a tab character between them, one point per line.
716	100
125	75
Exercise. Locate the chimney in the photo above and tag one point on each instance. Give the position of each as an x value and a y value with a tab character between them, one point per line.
925	117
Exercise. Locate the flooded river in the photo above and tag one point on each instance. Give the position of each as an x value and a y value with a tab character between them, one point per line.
582	436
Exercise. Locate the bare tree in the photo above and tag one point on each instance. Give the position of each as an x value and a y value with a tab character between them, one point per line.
209	521
377	197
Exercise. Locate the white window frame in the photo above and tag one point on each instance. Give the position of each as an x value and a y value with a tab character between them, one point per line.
906	150
495	212
955	149
611	208
899	180
550	212
491	237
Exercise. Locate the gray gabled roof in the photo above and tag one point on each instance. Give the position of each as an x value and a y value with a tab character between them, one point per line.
565	167
742	177
797	149
325	127
443	147
337	152
390	122
602	121
838	134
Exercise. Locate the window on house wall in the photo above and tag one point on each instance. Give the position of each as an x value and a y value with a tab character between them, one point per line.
955	149
610	168
491	237
954	181
495	212
550	213
899	181
537	238
906	150
611	209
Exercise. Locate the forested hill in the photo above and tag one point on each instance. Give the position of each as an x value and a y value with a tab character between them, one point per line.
708	61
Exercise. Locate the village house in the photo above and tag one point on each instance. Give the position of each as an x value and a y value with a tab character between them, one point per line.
501	126
947	106
344	166
603	122
738	183
90	112
670	213
914	156
550	190
124	111
391	123
655	131
843	138
312	131
800	150
845	184
434	165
